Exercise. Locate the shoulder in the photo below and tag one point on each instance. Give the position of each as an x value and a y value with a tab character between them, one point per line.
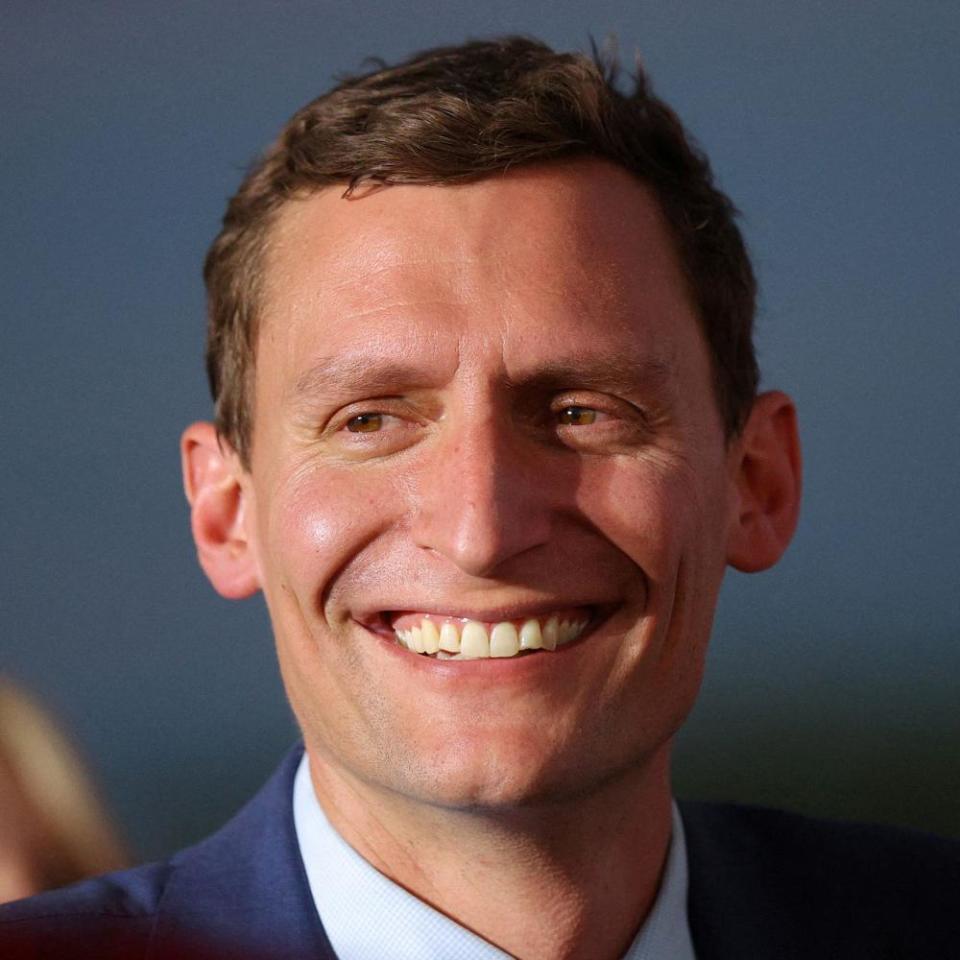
239	893
112	917
111	914
846	883
807	845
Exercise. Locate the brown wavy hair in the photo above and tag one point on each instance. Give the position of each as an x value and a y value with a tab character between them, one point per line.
456	114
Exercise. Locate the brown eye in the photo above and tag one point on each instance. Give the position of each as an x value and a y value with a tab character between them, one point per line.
365	423
577	416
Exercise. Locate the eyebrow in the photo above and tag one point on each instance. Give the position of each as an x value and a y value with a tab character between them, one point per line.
357	372
361	374
606	373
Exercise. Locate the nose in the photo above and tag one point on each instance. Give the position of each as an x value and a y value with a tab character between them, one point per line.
482	499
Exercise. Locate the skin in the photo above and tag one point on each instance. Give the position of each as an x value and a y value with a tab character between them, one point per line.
544	434
21	839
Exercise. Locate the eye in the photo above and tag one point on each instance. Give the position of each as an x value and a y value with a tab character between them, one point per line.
372	428
575	416
365	423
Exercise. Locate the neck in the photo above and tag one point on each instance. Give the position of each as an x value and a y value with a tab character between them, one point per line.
586	870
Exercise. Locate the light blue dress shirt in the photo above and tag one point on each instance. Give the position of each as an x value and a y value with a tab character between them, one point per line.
368	917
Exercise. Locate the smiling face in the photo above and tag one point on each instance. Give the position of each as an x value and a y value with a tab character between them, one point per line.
490	403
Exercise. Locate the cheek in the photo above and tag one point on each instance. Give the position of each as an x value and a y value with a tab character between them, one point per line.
316	523
652	512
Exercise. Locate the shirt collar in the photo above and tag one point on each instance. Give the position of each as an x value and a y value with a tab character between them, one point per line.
340	879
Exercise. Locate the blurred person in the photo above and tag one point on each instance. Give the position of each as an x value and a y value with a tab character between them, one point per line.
54	829
487	435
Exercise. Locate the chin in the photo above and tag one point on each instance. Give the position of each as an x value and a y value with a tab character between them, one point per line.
504	777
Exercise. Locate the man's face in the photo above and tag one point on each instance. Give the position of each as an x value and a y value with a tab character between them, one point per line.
488	403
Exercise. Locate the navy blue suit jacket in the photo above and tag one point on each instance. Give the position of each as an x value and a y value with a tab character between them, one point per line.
762	884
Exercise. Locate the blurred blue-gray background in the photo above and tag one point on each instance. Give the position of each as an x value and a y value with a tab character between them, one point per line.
833	683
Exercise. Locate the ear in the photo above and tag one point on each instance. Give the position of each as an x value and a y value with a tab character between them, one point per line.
212	481
766	472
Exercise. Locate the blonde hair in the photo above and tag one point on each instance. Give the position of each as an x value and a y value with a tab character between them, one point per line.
67	819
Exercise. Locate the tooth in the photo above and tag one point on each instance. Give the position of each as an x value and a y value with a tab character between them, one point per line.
474	642
530	636
450	638
551	632
504	641
430	636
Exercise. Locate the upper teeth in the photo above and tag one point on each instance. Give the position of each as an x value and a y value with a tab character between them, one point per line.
472	640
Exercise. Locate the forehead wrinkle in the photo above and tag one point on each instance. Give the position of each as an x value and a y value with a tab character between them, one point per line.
363	274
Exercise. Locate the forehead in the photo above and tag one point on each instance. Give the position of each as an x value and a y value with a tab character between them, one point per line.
572	256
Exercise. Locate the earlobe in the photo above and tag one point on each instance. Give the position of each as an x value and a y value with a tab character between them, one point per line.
767	476
212	483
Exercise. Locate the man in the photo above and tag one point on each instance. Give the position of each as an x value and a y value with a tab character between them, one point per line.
487	435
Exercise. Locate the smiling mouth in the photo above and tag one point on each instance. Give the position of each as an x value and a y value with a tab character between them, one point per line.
461	638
